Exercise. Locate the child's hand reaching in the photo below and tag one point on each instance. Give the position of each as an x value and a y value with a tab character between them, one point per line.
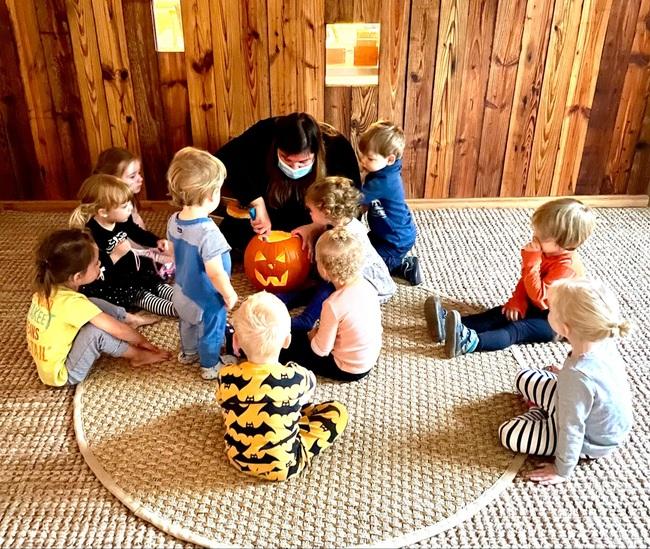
308	234
545	474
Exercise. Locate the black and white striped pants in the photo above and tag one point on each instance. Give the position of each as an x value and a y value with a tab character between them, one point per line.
535	431
159	303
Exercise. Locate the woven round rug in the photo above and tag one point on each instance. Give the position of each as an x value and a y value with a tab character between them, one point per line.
420	453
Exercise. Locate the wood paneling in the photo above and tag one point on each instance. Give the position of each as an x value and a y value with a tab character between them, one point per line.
523	117
497	98
452	35
423	39
609	86
476	70
499	95
19	171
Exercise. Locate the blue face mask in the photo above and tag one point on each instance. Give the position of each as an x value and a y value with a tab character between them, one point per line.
296	173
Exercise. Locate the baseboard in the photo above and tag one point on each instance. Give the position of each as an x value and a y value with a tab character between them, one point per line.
596	201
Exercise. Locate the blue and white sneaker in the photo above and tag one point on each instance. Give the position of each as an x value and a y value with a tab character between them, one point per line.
460	339
435	315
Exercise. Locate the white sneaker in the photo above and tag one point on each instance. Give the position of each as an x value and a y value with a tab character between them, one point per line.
212	372
229	359
187	358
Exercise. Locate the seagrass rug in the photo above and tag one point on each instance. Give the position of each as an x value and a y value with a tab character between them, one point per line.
419	456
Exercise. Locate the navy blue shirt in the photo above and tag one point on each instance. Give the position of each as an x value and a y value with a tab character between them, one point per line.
389	217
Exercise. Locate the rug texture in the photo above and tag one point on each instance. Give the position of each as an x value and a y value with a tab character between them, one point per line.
421	446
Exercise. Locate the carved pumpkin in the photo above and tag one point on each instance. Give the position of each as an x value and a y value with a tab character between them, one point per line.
277	262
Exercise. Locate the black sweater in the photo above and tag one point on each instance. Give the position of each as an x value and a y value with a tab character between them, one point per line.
250	158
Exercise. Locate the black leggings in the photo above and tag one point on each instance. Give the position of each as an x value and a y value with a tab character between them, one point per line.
300	351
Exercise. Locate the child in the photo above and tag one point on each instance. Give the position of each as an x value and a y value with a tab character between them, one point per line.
105	210
346	343
335	201
203	293
125	165
559	227
392	231
66	331
583	409
273	430
128	167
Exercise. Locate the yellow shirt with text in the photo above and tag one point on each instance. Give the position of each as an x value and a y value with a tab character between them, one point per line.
50	333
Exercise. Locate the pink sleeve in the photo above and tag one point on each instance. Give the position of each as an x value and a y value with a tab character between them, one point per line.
323	342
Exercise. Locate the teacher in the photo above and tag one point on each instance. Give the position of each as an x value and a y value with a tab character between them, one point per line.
271	165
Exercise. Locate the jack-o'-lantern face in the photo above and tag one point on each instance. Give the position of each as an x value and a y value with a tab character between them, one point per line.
276	262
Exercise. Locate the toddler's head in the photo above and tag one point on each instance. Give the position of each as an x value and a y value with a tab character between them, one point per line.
123	164
194	176
332	200
63	255
262	327
100	192
565	222
339	256
588	308
381	145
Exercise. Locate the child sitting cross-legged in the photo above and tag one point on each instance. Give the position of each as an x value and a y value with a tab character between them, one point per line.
273	430
67	331
346	342
584	408
559	228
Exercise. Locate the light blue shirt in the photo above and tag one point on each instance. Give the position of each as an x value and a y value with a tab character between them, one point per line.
594	406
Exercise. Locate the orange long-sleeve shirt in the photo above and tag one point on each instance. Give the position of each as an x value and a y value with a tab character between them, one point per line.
538	271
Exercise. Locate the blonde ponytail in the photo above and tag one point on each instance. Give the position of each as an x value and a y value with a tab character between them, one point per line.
81	215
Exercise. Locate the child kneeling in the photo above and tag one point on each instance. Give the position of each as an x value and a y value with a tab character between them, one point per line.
272	429
67	331
584	408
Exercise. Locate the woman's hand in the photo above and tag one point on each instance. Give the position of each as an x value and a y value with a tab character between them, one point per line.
262	222
308	234
511	314
545	474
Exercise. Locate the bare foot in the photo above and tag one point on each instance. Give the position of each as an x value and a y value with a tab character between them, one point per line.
141	319
143	356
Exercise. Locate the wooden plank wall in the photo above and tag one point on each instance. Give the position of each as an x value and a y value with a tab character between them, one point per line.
498	98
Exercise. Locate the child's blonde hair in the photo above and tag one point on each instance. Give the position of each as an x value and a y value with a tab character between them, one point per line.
566	220
588	307
340	254
336	197
384	138
97	192
262	324
193	176
114	161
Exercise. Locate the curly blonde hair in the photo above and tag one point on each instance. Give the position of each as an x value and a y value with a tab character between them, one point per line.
589	308
336	197
340	255
566	220
193	176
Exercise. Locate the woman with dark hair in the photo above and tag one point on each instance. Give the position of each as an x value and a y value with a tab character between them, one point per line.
271	165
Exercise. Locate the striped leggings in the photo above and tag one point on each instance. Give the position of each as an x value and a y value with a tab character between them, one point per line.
535	431
159	303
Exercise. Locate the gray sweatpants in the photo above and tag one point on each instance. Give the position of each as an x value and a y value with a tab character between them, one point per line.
91	342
